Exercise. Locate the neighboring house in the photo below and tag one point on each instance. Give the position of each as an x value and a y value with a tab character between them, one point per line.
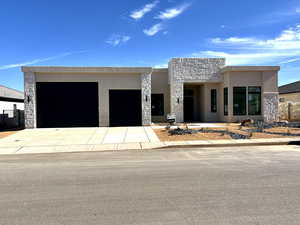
11	107
10	97
289	101
194	89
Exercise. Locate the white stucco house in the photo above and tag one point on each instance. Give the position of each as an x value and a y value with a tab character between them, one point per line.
194	89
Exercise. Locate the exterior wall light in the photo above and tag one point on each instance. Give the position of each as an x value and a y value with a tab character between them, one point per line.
28	98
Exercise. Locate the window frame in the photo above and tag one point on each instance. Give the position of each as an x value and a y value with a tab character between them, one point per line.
243	102
225	101
249	93
213	101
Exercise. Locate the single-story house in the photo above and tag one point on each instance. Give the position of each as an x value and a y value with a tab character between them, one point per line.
11	98
289	101
193	89
11	108
290	92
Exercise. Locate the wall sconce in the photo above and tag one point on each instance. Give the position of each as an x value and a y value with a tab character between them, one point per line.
146	98
178	101
28	98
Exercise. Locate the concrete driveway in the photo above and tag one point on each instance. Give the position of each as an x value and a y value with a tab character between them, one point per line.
62	139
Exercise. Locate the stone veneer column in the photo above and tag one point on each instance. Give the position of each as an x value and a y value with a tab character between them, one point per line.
146	99
29	100
176	89
270	106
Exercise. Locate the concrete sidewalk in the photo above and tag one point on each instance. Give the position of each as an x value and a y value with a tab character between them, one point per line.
108	139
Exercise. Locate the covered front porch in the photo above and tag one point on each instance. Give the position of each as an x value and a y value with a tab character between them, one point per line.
201	102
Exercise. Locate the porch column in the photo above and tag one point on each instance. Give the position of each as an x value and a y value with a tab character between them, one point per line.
29	100
146	99
176	89
270	96
270	106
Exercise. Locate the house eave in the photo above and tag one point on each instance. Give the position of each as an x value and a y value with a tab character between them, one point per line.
62	69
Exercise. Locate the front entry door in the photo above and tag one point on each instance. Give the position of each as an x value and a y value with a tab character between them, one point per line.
188	105
188	109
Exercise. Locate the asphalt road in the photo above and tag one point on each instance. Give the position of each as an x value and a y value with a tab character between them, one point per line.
249	185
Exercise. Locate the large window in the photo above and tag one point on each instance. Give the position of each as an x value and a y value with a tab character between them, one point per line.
157	104
226	101
254	100
239	101
213	100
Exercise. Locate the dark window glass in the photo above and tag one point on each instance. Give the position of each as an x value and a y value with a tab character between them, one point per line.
213	100
226	101
239	101
157	104
254	100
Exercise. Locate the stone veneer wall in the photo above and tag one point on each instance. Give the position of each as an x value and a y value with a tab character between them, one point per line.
146	104
30	100
270	107
191	70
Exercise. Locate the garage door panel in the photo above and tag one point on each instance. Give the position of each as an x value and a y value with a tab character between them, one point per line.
67	104
125	108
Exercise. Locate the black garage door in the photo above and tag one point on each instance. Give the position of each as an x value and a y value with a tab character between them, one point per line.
67	104
125	108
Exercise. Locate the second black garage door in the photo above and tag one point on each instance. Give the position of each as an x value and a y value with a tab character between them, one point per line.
125	108
67	104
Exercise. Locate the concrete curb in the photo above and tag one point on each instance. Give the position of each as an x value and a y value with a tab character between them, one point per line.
48	149
260	143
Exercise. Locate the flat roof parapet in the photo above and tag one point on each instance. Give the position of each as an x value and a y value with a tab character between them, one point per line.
54	69
249	68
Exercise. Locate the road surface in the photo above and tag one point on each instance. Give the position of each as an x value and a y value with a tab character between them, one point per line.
245	185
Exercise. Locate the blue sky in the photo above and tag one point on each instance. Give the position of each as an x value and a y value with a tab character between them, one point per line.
147	33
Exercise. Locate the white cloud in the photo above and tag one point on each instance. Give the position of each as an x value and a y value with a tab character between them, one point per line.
298	10
233	40
138	14
159	66
10	66
154	29
258	58
172	12
290	60
251	50
117	39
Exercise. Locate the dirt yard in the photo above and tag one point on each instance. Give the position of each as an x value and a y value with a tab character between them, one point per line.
7	133
163	134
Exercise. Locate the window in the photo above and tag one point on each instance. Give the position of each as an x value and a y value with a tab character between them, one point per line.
281	100
254	100
226	101
239	101
213	100
157	104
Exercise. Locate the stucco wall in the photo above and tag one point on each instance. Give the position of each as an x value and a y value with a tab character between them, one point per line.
10	105
242	79
289	107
